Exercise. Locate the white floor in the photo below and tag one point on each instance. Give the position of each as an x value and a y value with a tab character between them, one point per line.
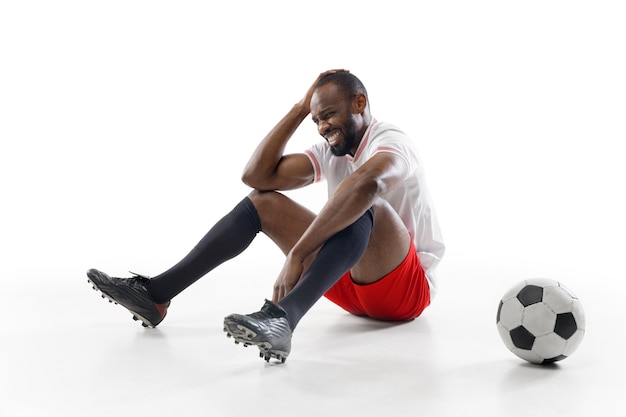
67	352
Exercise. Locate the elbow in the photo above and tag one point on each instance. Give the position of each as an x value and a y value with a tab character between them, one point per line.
377	187
254	181
247	179
250	176
370	186
250	180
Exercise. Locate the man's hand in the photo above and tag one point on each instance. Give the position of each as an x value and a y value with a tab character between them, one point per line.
288	278
306	100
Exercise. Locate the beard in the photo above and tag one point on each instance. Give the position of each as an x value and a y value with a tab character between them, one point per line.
349	140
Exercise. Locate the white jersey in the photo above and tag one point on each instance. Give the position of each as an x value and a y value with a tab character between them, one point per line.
411	200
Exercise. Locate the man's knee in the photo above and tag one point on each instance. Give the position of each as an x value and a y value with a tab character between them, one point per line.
381	209
282	219
265	201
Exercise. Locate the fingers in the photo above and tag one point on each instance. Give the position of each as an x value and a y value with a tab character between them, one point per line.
333	71
307	97
280	291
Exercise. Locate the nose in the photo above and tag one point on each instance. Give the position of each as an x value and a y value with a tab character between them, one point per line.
322	127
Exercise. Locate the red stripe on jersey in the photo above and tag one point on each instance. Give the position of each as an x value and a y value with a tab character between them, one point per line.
316	165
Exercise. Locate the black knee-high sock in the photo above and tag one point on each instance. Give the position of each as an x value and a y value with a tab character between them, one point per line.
340	253
227	238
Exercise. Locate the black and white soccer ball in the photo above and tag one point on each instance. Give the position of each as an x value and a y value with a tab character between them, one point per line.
540	320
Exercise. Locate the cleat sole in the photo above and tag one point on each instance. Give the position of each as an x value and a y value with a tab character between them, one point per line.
137	317
245	336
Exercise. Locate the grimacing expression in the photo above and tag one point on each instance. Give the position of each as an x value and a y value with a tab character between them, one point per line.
331	112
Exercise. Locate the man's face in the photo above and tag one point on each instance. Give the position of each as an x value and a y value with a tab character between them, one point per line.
332	113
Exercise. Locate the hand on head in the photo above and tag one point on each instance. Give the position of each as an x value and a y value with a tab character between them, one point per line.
306	101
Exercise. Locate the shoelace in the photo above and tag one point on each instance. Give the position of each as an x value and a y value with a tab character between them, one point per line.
264	313
139	276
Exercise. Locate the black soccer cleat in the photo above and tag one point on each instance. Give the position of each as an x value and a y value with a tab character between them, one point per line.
268	329
130	293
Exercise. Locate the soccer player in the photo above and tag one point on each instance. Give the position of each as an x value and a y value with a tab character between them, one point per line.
372	249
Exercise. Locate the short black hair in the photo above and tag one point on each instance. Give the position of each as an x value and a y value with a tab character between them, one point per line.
347	82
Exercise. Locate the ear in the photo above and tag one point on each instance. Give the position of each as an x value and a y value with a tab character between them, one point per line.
359	104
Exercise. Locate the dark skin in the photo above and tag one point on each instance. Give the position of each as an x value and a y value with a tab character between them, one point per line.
298	232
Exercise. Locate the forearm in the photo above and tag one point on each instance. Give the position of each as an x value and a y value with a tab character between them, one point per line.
266	157
351	199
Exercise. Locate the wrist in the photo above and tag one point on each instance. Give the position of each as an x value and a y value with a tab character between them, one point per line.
296	255
301	108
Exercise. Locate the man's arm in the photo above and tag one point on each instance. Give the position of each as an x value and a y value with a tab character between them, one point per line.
268	167
356	194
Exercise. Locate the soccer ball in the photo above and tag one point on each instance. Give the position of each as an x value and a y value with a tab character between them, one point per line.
540	320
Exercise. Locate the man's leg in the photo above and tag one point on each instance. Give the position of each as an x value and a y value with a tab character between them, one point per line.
369	250
148	299
284	221
270	328
230	236
388	245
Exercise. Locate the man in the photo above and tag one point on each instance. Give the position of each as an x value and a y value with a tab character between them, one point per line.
372	249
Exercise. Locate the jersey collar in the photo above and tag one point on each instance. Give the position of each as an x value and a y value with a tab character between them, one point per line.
363	143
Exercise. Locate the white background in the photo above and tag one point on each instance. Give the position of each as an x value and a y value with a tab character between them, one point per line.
125	125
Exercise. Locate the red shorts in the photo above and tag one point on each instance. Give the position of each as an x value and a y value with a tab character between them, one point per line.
400	295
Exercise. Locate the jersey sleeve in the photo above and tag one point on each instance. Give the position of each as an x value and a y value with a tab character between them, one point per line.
317	157
396	142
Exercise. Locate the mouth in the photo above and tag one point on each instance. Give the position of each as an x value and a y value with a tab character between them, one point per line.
333	137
